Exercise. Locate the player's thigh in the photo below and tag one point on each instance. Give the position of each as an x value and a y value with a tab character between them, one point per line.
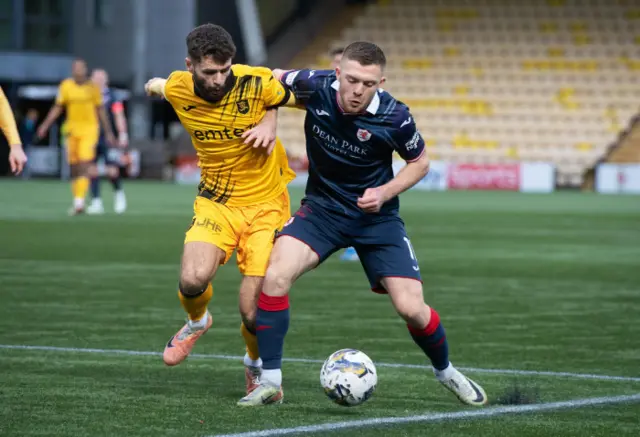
385	251
256	241
87	142
212	225
290	258
73	147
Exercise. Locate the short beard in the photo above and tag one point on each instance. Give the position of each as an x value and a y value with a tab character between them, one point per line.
212	97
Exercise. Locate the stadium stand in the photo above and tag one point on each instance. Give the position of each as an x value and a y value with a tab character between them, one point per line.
493	81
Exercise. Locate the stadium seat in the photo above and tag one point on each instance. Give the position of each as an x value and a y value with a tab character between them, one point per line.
553	80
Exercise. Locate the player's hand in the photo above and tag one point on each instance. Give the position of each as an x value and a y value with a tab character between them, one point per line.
123	140
148	87
263	135
17	159
41	132
372	200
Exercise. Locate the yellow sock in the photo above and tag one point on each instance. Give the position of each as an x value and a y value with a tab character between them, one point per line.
196	307
251	340
82	187
74	188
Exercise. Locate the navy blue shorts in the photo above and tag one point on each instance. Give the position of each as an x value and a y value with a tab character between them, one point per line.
382	243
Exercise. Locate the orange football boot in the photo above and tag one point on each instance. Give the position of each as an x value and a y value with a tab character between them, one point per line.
179	346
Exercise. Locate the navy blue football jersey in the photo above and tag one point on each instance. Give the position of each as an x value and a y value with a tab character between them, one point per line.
350	153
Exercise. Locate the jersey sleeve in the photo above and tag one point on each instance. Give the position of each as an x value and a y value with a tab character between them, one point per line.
303	83
116	104
406	138
61	96
171	87
274	92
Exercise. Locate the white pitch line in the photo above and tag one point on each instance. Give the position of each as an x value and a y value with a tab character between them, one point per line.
436	417
312	361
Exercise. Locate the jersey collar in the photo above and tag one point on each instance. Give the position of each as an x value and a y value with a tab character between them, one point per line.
373	106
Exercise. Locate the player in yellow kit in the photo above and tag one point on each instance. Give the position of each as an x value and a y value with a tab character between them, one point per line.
82	101
17	157
229	111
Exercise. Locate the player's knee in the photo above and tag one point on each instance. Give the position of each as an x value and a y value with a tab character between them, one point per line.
192	282
277	280
414	313
248	310
249	319
409	304
112	172
84	169
93	171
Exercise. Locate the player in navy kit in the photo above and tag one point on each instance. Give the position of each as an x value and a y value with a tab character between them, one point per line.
352	128
112	156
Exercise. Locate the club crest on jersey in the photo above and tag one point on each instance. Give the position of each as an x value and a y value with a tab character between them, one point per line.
243	106
363	135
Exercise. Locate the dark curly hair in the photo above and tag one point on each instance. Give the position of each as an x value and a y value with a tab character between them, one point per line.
210	40
366	53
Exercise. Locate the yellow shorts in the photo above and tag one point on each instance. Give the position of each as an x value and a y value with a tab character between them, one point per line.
81	147
249	229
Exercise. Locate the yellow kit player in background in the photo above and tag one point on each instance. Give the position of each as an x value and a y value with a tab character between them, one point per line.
17	157
82	101
243	199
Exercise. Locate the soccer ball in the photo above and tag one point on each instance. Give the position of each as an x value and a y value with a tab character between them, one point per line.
348	377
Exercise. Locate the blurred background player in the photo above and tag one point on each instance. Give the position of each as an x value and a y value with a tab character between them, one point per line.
17	157
112	156
82	101
336	55
243	199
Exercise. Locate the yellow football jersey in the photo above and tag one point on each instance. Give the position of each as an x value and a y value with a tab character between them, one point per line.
237	174
80	102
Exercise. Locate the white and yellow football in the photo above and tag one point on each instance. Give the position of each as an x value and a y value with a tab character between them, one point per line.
348	377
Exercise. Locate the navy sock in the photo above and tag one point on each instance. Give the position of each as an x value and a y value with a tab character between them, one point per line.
272	323
116	183
95	187
433	341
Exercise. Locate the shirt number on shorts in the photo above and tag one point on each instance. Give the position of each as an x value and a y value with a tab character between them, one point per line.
412	253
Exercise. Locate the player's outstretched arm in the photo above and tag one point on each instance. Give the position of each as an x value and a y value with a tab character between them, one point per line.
17	157
117	109
54	113
155	86
8	122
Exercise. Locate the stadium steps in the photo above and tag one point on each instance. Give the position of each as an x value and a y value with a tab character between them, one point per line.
628	150
625	150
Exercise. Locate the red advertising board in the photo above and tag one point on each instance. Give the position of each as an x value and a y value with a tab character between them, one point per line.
484	177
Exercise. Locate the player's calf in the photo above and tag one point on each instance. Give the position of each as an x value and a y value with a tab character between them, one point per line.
249	291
